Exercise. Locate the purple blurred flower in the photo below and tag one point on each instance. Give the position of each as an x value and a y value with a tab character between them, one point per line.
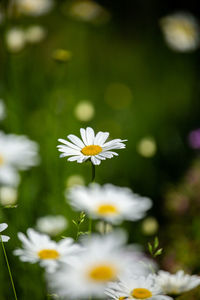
194	139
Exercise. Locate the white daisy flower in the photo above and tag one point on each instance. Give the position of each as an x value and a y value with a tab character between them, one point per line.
35	34
16	153
108	202
181	31
93	147
52	225
15	39
176	284
3	238
102	261
40	248
136	287
8	195
34	7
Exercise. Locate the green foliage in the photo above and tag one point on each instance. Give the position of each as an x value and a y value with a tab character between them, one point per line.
153	249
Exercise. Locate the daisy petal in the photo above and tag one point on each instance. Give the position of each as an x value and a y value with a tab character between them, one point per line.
83	135
95	160
76	140
70	145
4	238
3	226
100	138
90	135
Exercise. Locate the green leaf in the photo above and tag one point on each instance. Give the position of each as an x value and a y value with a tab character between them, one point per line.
150	248
158	252
156	243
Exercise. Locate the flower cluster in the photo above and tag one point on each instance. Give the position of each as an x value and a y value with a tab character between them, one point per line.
98	265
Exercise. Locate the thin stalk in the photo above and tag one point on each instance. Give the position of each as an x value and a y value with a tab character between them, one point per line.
9	270
92	180
93	172
90	219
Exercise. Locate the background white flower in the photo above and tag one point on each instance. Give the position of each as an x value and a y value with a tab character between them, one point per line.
103	260
15	39
4	238
35	34
16	153
175	284
40	248
34	7
52	225
108	202
8	195
136	287
181	31
91	146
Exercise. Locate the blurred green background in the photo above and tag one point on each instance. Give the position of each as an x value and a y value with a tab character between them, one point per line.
138	87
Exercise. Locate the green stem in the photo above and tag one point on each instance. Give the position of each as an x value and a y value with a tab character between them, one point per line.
93	172
92	180
9	270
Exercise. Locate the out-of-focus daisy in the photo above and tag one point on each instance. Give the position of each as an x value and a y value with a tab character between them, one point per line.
75	179
181	31
176	284
16	153
102	261
89	11
40	248
52	225
3	238
34	7
147	147
93	147
84	111
108	202
8	195
35	34
136	287
140	264
2	110
150	226
15	39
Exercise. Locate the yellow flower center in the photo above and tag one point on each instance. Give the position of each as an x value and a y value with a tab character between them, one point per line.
48	254
122	298
103	273
141	293
1	160
91	150
107	209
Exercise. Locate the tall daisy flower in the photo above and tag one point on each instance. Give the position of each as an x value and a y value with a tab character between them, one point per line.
49	254
3	238
102	261
176	284
136	287
93	147
16	153
108	202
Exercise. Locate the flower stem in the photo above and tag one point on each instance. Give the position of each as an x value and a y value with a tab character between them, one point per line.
92	180
9	270
93	172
